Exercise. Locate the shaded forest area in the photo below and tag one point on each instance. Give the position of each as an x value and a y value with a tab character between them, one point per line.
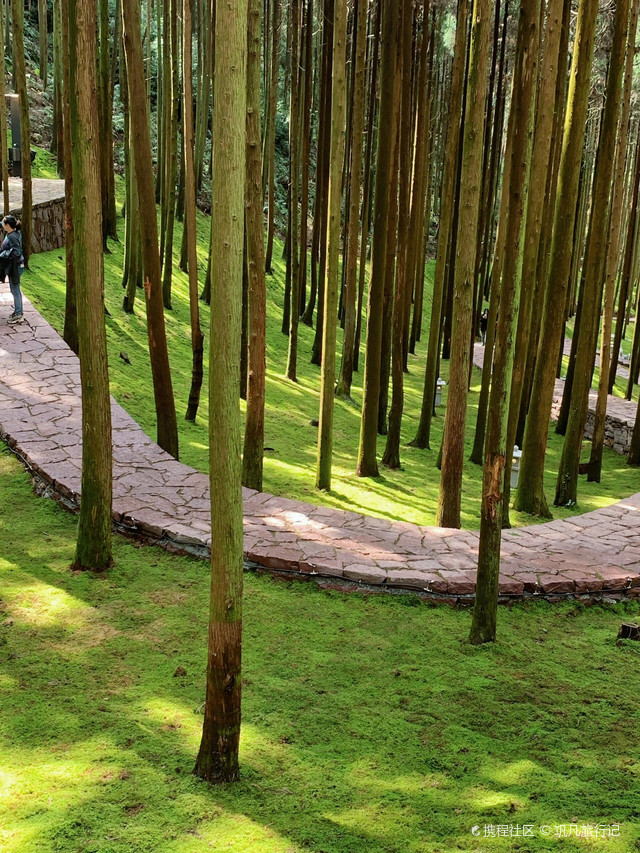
500	138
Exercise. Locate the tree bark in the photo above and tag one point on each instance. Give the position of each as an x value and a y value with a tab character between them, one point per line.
70	332
17	9
93	548
540	165
252	459
293	256
447	204
336	160
161	372
485	610
217	759
595	259
353	219
612	256
391	456
448	513
270	133
197	338
531	497
367	465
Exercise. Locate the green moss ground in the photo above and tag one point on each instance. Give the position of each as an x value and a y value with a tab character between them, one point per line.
410	494
369	724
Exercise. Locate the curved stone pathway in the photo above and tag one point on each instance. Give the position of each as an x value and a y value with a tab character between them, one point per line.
593	555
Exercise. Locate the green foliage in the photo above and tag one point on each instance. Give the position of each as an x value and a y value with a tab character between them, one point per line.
290	459
368	725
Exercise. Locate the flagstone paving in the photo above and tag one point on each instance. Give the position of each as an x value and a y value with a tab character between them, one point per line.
592	555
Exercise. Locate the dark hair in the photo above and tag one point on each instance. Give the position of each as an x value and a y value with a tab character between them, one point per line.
12	222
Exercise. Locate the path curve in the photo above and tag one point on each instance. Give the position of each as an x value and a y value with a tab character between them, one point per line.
594	555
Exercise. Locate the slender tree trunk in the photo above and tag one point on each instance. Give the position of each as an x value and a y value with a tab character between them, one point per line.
367	463
197	338
531	496
270	134
70	332
625	282
448	514
293	258
540	166
57	136
595	259
421	151
217	759
109	228
336	160
93	549
353	220
252	460
4	153
44	40
447	205
368	183
611	268
162	388
483	627
391	456
25	152
171	96
306	74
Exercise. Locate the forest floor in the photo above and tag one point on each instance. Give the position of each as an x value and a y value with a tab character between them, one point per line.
408	494
369	724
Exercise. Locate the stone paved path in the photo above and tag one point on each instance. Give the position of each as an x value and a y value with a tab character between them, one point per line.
590	555
43	190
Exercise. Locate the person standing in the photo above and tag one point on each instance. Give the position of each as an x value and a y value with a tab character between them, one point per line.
484	321
12	264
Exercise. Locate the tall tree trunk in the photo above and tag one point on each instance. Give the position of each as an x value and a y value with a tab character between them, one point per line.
595	259
447	205
353	219
17	9
160	370
485	610
367	463
306	74
197	338
336	160
448	514
531	497
171	142
44	40
70	332
368	182
269	161
391	456
109	228
293	257
625	282
421	151
252	459
93	549
540	165
57	136
217	759
612	255
4	148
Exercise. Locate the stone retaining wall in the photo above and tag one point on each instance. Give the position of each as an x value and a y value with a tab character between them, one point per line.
48	226
617	430
617	433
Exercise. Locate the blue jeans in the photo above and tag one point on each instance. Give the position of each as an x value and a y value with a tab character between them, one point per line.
17	294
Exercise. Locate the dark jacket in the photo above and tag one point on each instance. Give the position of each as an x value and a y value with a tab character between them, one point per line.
11	257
